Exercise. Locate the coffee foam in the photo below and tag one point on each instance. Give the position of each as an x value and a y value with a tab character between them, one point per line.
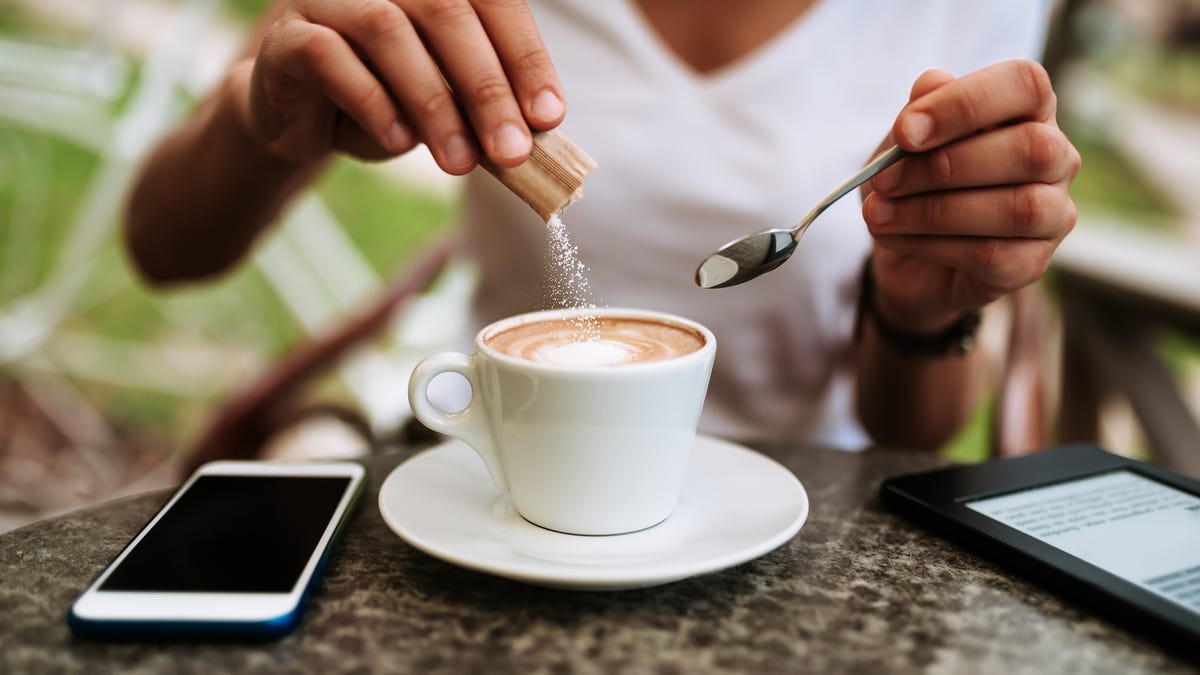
611	341
591	352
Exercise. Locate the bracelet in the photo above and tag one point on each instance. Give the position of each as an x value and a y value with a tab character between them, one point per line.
955	340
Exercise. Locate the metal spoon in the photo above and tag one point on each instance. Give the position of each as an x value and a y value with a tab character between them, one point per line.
743	259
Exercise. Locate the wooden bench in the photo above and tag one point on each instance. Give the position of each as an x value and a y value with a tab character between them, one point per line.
1119	289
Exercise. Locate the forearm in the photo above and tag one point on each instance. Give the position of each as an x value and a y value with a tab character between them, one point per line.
207	191
912	400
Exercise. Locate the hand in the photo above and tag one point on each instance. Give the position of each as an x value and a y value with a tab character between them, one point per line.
369	77
977	212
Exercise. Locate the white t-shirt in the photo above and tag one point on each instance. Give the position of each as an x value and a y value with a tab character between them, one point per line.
687	162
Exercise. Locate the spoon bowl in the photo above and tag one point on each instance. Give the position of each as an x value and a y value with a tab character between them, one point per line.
743	259
755	254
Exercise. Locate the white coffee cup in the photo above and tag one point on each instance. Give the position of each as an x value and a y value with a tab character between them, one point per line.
582	449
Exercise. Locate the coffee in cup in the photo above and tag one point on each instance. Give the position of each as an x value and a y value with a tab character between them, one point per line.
589	430
603	341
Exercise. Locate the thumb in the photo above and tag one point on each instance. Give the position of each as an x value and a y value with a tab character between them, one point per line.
908	125
928	81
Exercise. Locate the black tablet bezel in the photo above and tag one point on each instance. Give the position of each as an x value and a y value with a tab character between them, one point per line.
938	500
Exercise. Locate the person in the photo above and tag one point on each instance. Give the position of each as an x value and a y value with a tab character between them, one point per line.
707	120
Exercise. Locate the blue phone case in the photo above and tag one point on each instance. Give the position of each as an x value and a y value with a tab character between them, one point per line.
271	629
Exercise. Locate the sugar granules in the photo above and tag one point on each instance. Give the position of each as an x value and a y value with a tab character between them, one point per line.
569	282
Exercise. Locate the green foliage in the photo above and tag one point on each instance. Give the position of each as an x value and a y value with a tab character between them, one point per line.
1108	183
388	222
973	442
1181	352
248	9
10	20
1169	76
40	180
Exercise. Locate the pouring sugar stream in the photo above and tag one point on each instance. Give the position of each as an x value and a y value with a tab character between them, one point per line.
549	181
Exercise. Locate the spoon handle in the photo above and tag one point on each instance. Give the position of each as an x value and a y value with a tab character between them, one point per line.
884	160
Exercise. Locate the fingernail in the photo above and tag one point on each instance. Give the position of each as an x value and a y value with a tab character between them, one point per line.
400	137
880	209
510	142
917	128
887	180
458	151
546	106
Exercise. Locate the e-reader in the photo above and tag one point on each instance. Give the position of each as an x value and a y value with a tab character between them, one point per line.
1114	534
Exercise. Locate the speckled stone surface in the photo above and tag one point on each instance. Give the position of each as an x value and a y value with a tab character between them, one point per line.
858	590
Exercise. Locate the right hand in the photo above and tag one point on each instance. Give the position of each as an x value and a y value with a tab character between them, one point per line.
369	78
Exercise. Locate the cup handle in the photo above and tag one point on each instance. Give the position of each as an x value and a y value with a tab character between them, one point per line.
469	424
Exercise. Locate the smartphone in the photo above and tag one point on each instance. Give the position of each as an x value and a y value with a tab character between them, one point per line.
235	552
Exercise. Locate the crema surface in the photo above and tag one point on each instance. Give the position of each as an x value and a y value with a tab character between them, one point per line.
616	341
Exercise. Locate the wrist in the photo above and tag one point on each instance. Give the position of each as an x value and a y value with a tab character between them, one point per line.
904	317
930	334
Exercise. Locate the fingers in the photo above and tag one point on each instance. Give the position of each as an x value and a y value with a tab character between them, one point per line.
469	61
305	55
349	137
466	78
928	81
514	34
995	266
1012	155
981	204
998	94
394	47
1035	211
500	72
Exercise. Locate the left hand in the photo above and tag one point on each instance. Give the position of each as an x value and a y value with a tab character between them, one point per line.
980	207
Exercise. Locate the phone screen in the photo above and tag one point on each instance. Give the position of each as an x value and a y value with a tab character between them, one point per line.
1137	528
233	534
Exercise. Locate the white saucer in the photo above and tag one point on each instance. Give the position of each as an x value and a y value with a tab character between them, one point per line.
736	505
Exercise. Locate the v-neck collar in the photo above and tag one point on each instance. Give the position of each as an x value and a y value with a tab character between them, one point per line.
744	67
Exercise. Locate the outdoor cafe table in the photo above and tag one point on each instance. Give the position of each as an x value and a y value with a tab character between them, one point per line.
857	590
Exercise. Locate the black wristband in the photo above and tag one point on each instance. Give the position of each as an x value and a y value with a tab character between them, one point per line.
955	340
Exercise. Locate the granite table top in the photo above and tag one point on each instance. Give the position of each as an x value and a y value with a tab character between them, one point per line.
857	590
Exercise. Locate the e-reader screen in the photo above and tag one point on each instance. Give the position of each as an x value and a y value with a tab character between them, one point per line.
1134	527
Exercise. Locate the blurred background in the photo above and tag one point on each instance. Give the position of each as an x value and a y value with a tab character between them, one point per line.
103	381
